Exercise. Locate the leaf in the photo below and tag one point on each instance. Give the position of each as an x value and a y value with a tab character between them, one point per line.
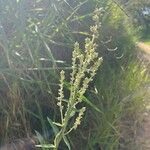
91	104
81	33
56	130
39	136
66	142
54	127
45	146
57	124
31	113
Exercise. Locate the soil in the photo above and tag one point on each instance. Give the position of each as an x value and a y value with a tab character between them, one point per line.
144	136
145	49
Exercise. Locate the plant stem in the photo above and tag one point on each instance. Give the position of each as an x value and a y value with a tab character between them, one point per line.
61	133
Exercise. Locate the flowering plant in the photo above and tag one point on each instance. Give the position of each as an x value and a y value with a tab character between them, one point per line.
84	67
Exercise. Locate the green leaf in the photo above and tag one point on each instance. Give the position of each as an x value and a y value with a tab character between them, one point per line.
91	104
31	113
45	146
54	127
66	142
57	124
39	136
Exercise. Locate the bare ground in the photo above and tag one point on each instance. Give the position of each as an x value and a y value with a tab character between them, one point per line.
144	136
145	49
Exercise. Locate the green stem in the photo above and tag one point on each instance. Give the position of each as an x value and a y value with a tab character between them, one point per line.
61	133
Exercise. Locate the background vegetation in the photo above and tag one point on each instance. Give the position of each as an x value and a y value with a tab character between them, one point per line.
139	12
36	42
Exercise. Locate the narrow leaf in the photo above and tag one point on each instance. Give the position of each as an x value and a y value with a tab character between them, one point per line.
39	136
54	127
91	104
66	142
57	124
45	146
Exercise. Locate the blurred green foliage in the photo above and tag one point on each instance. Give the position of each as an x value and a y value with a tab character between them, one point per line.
139	12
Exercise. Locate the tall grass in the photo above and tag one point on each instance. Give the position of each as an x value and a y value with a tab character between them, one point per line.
27	63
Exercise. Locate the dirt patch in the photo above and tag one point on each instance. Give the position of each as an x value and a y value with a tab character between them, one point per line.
144	133
144	47
144	53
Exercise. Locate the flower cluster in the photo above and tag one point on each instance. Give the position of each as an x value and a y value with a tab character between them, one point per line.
61	94
78	119
96	19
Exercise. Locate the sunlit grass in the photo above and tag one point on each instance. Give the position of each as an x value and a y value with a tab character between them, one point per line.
147	42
